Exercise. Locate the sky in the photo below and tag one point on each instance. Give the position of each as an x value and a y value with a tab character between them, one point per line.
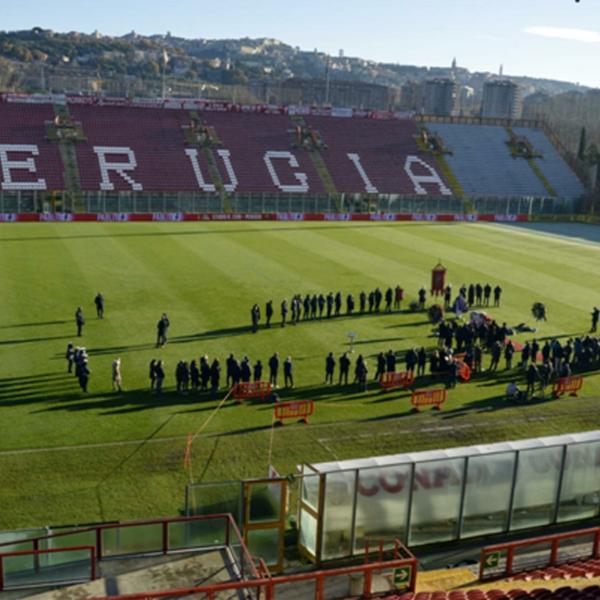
556	39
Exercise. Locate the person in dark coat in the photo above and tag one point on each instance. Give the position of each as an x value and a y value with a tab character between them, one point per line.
273	369
338	303
478	294
70	356
421	361
471	295
306	305
422	298
284	312
314	304
287	372
329	368
84	375
535	348
398	297
245	373
79	321
204	373
185	377
162	328
257	371
371	301
447	297
159	371
390	361
269	313
229	369
497	294
321	301
453	371
344	368
411	359
361	373
389	296
525	354
329	304
194	375
509	351
378	298
152	374
487	292
531	376
255	316
236	372
215	377
362	299
595	316
99	302
349	304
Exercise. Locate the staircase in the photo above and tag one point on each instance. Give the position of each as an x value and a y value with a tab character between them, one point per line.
68	155
207	152
321	168
534	167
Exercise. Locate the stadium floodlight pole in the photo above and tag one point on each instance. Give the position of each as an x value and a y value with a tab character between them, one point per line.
327	79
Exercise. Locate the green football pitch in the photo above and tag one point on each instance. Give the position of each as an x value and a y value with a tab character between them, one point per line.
68	457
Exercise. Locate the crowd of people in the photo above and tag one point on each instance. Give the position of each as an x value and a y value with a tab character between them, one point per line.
204	375
320	306
460	341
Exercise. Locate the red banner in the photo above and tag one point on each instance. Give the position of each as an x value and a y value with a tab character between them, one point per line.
180	216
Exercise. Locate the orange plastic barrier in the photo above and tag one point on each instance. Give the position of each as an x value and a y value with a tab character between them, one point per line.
389	381
298	410
433	398
567	385
251	389
465	371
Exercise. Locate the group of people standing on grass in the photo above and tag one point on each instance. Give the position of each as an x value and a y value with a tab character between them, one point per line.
205	375
320	306
474	294
78	358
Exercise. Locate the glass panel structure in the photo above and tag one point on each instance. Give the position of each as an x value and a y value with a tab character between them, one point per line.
536	487
435	507
264	543
442	495
382	503
337	525
487	494
580	490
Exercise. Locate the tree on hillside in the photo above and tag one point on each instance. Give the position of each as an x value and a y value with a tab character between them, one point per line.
582	145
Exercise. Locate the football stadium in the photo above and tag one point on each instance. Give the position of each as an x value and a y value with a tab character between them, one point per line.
295	351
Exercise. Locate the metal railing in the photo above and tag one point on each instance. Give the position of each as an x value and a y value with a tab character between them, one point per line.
148	537
503	560
402	573
29	571
192	202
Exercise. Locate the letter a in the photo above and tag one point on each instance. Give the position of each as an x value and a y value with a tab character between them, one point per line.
417	180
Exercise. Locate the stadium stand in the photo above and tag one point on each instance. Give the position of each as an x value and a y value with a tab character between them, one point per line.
585	568
377	148
154	135
482	163
554	168
249	137
149	148
23	140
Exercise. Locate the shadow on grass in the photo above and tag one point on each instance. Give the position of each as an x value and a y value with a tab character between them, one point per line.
175	233
39	324
487	405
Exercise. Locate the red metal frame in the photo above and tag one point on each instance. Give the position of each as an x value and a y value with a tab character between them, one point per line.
231	528
389	381
296	409
268	584
435	397
251	389
36	553
564	385
553	540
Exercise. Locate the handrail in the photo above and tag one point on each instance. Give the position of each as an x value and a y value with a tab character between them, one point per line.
36	553
553	539
269	583
231	527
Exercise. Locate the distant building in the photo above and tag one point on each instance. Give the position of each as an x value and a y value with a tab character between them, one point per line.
338	93
440	97
502	99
